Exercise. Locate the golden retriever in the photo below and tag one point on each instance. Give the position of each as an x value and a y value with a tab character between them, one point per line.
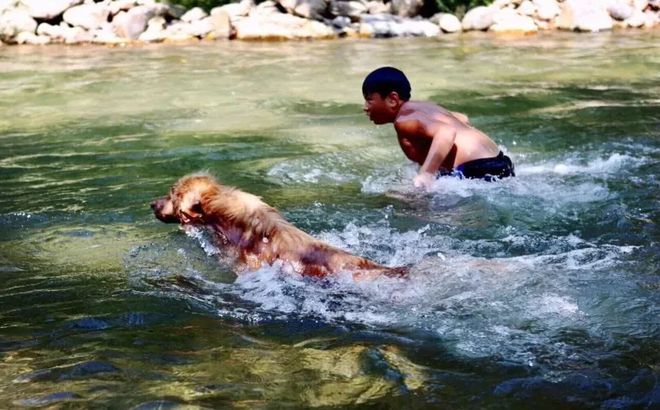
258	233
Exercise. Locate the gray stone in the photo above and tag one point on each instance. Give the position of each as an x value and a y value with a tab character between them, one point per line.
351	9
341	22
176	11
309	9
406	8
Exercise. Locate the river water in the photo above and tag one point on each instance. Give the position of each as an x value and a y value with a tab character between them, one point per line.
540	290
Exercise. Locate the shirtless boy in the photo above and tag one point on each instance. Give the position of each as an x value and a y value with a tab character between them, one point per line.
440	141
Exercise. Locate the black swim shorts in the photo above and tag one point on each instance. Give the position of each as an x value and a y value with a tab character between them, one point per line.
488	169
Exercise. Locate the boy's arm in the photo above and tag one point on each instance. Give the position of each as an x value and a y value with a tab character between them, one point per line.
443	141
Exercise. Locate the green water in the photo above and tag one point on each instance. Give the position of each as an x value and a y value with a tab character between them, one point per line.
540	290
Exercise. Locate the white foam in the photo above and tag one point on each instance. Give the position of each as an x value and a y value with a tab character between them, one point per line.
613	164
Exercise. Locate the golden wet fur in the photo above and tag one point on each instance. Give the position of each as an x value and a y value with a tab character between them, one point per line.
256	230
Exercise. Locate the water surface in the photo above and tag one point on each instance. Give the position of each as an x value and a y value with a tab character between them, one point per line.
540	289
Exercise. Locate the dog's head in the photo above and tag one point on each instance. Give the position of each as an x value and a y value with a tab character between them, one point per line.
183	204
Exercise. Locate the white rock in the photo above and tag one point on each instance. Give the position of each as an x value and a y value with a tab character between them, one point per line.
6	5
509	21
447	22
479	18
387	25
53	32
78	35
27	37
155	30
651	19
236	11
220	25
377	7
130	24
106	35
546	9
619	10
48	9
199	28
640	4
500	4
266	7
526	8
584	15
280	27
15	21
194	14
87	16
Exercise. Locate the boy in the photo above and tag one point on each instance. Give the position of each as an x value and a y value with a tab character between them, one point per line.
440	141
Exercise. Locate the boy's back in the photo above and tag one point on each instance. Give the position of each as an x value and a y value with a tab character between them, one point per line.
418	122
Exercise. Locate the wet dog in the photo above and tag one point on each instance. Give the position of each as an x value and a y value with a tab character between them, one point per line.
256	231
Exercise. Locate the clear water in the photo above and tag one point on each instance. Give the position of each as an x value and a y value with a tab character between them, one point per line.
539	291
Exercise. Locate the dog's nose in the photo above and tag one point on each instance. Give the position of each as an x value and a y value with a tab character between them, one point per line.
153	205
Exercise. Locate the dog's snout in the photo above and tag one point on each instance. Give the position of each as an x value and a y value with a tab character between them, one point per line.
164	210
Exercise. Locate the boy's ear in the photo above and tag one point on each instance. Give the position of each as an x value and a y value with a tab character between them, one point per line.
393	98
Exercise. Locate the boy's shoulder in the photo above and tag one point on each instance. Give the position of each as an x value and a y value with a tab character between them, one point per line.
409	126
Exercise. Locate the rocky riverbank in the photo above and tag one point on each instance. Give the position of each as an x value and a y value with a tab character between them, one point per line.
130	21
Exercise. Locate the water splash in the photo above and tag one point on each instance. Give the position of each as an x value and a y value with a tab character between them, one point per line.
509	307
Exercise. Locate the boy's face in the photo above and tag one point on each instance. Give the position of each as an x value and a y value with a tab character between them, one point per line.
380	110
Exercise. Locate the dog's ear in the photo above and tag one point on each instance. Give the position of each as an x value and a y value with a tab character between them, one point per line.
197	208
190	208
193	213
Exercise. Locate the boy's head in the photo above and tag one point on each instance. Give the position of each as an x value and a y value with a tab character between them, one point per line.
385	90
384	80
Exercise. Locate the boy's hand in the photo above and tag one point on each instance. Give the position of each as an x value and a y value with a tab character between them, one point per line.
424	180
